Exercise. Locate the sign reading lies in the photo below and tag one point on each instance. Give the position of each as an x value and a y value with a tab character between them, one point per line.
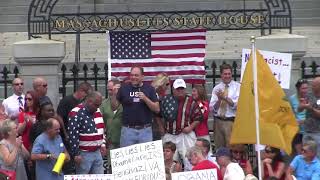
279	63
139	161
209	174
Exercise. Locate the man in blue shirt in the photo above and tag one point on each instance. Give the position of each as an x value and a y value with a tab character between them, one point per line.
307	165
139	102
46	150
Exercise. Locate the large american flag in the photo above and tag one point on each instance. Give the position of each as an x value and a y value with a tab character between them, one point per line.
180	54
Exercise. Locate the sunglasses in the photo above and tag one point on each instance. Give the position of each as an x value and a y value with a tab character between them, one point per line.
237	152
268	151
302	81
168	84
304	150
44	85
17	84
28	99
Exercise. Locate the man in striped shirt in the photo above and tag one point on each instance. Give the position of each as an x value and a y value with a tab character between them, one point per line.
180	129
86	135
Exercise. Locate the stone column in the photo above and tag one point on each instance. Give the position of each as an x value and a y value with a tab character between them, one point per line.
286	43
40	57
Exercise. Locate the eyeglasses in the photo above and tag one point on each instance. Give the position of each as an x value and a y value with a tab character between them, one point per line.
28	99
44	85
237	152
304	150
17	84
302	81
268	151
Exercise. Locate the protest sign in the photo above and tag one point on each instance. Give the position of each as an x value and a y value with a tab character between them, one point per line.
208	174
279	63
138	162
89	177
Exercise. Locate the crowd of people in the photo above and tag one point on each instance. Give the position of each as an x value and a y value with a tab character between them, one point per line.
85	127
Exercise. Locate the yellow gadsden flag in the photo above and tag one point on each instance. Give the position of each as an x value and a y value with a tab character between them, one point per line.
277	121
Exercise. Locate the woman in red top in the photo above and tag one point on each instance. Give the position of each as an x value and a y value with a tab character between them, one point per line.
199	94
28	117
273	164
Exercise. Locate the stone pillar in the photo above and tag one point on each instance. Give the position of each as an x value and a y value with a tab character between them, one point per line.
286	43
40	57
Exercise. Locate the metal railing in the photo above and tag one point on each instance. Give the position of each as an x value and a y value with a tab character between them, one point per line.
7	76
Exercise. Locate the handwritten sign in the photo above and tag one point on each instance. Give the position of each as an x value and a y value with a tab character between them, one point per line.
89	177
208	174
138	162
279	63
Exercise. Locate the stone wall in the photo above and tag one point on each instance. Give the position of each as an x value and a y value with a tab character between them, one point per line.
13	13
222	45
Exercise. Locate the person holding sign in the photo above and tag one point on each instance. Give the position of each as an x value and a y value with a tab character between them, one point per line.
230	170
139	102
182	115
199	162
46	149
224	102
204	144
239	155
169	148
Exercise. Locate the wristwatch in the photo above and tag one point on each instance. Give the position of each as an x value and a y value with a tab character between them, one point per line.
48	156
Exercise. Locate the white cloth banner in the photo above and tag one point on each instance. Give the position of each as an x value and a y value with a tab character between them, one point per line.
139	161
89	177
209	174
279	63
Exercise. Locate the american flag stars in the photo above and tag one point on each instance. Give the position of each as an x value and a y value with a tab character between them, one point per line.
131	45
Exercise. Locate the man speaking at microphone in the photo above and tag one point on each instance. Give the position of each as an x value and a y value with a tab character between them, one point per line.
139	102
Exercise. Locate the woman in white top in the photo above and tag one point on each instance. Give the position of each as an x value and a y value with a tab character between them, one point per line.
12	151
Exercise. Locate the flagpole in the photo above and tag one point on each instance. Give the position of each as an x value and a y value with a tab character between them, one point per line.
109	55
256	101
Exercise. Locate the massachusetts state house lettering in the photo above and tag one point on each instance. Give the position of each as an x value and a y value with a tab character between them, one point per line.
65	23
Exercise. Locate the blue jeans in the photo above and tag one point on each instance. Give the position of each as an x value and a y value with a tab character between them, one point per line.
91	163
130	136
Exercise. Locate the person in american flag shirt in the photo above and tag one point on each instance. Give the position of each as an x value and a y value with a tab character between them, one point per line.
182	115
86	135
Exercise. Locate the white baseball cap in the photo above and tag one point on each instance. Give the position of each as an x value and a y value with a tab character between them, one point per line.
178	83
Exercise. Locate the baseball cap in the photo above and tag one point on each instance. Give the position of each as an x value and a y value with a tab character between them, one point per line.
223	151
179	83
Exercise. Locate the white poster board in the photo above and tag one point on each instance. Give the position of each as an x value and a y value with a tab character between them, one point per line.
279	63
89	177
208	174
139	161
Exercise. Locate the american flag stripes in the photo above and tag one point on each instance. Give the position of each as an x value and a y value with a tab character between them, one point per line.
86	131
179	54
